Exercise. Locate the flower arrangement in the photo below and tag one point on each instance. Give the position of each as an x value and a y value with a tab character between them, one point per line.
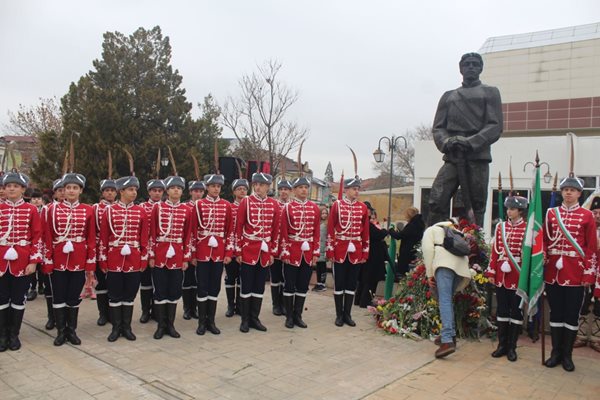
413	311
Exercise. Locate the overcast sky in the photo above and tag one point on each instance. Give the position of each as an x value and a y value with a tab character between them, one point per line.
364	69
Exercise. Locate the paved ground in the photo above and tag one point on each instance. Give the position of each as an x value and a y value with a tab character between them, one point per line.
321	362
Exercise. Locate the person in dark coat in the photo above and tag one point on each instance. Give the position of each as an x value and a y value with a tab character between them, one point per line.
409	237
373	270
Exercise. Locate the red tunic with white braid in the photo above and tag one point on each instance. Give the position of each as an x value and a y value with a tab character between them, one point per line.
503	249
21	229
123	238
300	233
148	206
257	230
70	237
99	210
564	263
212	226
281	205
170	235
348	223
597	261
233	206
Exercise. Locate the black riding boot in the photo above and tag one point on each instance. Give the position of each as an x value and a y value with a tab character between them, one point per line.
276	298
71	331
171	312
230	292
202	306
339	309
245	314
188	297
503	339
348	298
210	317
289	311
4	327
514	331
60	315
16	318
116	319
127	315
50	324
238	309
569	337
102	303
298	308
146	302
557	343
160	311
255	305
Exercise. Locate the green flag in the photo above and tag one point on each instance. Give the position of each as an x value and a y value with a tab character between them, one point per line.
531	279
500	206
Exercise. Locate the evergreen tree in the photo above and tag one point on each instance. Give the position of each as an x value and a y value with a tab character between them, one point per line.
48	165
132	99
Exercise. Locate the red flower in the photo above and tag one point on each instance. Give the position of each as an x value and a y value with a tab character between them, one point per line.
393	300
410	284
428	294
415	276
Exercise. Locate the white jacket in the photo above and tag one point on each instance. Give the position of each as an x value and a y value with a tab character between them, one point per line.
437	256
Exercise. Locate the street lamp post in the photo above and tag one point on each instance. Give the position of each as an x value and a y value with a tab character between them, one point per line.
379	156
547	176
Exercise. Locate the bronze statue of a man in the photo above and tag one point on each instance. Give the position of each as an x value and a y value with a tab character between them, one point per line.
467	121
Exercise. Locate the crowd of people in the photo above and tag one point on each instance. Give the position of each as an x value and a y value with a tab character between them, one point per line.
168	250
571	234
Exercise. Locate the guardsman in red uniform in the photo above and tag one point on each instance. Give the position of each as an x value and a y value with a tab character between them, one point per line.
299	245
123	254
284	190
58	190
239	188
348	247
70	246
156	189
256	232
212	225
108	190
503	271
189	287
37	281
589	322
21	249
570	244
171	250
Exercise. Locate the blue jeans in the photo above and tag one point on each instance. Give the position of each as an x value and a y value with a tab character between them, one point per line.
446	281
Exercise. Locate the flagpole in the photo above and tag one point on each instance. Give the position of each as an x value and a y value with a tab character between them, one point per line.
542	326
531	278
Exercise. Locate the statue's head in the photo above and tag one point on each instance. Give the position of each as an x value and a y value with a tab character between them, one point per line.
471	65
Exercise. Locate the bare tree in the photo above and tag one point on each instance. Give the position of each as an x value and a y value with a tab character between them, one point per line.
404	159
33	120
258	117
